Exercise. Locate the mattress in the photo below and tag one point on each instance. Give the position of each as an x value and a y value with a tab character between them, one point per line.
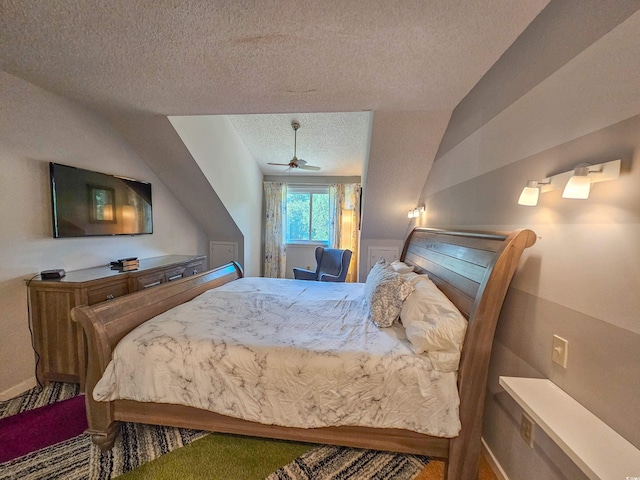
283	352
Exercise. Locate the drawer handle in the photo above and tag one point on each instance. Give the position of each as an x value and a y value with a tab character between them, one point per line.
195	272
175	277
110	296
152	284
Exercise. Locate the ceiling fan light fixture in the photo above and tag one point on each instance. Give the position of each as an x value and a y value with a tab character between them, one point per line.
296	162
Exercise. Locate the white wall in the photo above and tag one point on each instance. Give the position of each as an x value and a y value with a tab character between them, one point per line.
226	162
37	127
301	256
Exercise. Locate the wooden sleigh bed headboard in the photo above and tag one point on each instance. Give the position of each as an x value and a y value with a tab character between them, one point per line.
474	270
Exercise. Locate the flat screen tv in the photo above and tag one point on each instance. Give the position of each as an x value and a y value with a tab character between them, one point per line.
87	203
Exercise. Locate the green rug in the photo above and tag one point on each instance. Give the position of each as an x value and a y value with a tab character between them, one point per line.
221	457
231	457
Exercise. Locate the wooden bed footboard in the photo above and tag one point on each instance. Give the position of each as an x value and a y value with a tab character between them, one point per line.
105	324
474	270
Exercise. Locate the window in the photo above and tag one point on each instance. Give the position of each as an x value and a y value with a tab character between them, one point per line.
308	214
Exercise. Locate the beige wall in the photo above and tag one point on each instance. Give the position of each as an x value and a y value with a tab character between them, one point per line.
37	127
227	164
580	280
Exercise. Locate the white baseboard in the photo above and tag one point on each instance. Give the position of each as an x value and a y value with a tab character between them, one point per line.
18	389
493	462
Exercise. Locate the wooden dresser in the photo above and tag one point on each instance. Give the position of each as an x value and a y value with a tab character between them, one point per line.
58	341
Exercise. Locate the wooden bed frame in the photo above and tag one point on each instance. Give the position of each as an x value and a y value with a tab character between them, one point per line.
474	269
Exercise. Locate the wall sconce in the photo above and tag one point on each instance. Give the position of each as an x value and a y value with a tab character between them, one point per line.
576	182
531	192
416	212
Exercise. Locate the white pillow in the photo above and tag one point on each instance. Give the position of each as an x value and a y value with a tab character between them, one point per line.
434	325
414	277
385	290
402	267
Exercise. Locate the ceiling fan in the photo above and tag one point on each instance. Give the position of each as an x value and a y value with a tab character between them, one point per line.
295	161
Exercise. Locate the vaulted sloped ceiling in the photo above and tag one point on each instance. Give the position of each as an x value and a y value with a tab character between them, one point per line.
409	62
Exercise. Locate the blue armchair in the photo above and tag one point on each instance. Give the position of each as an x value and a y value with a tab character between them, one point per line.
332	265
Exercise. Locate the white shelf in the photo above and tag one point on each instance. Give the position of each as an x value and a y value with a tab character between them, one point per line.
599	451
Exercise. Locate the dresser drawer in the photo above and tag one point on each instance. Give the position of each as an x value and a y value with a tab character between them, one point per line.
194	267
174	274
102	293
153	279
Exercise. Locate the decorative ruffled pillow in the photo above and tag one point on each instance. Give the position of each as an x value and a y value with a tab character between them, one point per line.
433	324
385	290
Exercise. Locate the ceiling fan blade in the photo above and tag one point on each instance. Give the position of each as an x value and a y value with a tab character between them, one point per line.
308	167
300	161
278	164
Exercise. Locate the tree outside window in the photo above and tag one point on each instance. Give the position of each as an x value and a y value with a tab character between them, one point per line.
308	215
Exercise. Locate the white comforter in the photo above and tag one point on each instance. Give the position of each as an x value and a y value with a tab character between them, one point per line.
286	352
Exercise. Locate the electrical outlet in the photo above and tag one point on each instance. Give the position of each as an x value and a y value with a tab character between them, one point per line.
560	351
526	429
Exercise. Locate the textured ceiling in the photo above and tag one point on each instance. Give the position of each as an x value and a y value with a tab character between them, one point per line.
194	57
335	142
231	56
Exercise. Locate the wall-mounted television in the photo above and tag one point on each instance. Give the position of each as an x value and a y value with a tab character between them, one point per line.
87	203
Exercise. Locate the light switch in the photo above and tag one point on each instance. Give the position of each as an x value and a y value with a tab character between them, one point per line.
560	351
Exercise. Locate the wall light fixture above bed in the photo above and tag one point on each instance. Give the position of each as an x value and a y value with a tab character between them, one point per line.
416	212
576	182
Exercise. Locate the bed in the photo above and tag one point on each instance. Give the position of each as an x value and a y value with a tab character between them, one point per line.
473	270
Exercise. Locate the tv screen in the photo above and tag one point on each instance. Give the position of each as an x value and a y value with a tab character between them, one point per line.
87	203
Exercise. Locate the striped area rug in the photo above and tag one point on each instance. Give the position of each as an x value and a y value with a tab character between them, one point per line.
137	444
37	397
341	463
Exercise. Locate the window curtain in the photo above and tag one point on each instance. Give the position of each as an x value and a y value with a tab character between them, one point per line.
344	203
275	249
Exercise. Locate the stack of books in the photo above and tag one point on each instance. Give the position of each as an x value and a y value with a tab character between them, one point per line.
126	264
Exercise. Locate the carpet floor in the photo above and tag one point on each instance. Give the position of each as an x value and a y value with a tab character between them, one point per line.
256	459
153	452
143	451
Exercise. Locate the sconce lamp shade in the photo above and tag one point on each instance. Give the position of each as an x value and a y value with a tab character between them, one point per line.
579	184
577	187
530	194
